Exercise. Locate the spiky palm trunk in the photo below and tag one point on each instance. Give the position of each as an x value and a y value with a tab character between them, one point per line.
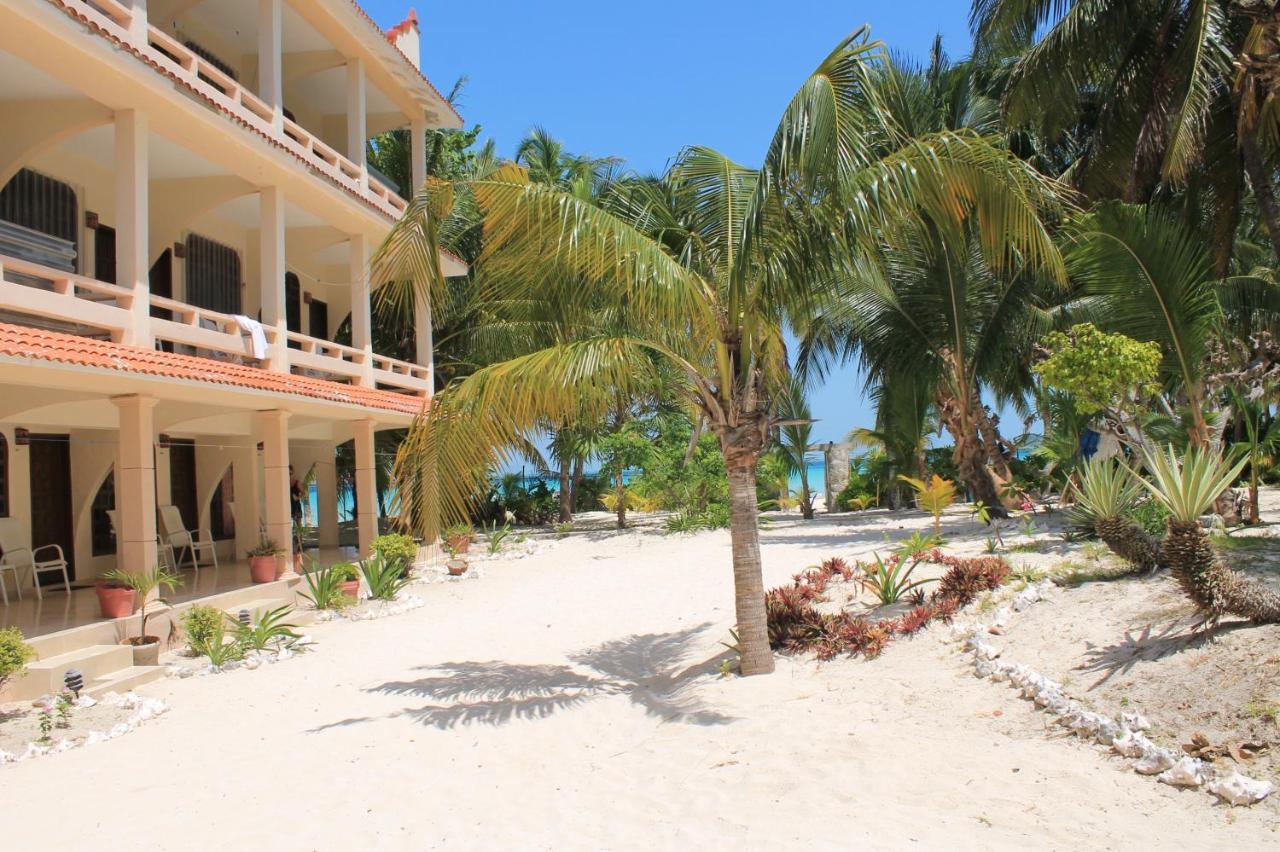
620	492
1215	589
1130	542
566	495
742	446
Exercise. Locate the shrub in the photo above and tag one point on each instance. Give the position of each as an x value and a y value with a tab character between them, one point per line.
968	578
398	549
270	630
325	589
204	625
1152	516
15	653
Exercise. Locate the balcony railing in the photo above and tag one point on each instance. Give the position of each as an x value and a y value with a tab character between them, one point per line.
33	294
118	20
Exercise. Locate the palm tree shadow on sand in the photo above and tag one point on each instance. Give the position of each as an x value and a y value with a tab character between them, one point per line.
644	668
1148	645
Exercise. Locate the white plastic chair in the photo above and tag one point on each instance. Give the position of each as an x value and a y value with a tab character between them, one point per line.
175	536
16	555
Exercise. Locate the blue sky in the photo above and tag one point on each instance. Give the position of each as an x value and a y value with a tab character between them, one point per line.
642	79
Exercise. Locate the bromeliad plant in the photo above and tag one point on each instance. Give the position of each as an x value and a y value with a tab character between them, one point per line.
889	581
270	632
1188	487
1108	492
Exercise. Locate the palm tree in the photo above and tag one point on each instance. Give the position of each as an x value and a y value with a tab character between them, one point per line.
1107	492
1187	487
794	434
707	263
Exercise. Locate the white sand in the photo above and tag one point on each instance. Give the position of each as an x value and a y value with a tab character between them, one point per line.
569	701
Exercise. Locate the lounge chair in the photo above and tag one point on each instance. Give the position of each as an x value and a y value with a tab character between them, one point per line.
175	536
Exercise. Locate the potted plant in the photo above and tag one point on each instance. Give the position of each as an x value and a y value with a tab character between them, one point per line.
116	598
262	560
146	649
456	565
457	537
348	579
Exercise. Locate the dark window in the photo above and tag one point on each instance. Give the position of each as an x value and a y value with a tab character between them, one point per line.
42	204
104	535
182	482
293	305
104	254
213	275
4	477
222	521
212	60
319	319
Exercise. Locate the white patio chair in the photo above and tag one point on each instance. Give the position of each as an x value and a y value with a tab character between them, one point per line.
17	555
175	536
163	551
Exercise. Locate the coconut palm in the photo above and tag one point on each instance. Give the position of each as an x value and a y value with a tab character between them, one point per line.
706	263
1187	487
1107	491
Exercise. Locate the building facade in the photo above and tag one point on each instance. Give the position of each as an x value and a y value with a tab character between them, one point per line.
186	221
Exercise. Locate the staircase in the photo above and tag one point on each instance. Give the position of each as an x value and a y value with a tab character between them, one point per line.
105	668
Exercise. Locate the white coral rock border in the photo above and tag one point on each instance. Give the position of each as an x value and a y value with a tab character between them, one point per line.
380	609
1125	736
144	710
251	660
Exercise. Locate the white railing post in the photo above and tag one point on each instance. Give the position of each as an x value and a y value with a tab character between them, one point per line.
139	24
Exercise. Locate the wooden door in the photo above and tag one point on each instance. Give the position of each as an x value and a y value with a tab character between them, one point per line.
293	306
51	518
182	482
318	319
104	254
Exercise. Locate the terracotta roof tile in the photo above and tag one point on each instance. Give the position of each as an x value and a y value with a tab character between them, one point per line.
22	342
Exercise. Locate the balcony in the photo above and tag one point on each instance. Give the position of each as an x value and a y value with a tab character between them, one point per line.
126	26
37	295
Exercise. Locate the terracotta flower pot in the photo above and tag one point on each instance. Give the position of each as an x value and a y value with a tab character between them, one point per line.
146	651
262	569
457	567
461	543
351	588
116	601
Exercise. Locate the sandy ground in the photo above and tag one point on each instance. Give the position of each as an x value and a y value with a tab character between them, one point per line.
570	700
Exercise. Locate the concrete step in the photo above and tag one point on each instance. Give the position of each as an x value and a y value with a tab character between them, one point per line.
123	680
45	676
257	606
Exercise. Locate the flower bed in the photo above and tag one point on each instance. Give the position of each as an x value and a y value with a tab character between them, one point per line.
797	625
43	728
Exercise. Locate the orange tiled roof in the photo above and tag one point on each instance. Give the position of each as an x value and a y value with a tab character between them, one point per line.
19	341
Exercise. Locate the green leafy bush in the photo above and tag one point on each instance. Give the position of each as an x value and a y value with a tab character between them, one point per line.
1098	369
269	632
204	625
15	653
401	550
1152	516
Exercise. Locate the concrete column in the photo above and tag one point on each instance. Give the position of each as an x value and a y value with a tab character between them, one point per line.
422	334
836	472
246	473
357	134
136	484
366	488
327	495
271	251
273	429
361	313
138	26
418	156
132	268
270	75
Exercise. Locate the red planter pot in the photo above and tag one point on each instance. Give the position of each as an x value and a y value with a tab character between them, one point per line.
351	588
262	569
461	544
116	602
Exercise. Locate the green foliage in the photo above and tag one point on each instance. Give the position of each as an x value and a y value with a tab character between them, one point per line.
509	499
495	535
917	544
345	571
270	632
933	496
324	587
144	583
1187	486
562	529
714	517
398	549
1097	369
890	581
1151	515
203	625
384	577
15	653
1107	489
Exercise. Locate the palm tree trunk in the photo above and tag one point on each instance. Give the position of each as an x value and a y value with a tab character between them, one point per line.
566	497
693	440
748	579
576	487
620	491
1260	180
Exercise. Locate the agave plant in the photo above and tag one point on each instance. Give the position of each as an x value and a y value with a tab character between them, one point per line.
270	630
1187	487
1107	492
383	577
